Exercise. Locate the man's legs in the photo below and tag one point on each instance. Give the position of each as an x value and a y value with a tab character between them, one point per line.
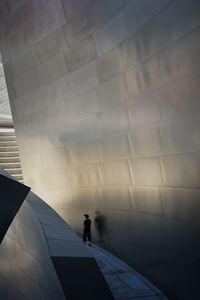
84	237
87	235
89	239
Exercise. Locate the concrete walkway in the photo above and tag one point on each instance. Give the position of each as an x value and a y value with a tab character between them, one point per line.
124	282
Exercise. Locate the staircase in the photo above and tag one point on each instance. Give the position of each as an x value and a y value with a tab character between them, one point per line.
9	155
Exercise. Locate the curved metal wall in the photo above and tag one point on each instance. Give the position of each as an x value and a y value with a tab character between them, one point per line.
26	269
105	100
41	257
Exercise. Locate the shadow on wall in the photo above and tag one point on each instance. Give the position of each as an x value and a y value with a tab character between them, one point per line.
100	225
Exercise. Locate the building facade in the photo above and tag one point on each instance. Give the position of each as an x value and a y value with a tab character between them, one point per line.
105	101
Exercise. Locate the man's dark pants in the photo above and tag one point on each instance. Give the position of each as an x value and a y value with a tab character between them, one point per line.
86	235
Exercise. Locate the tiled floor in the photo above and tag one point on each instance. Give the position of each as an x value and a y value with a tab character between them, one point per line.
124	282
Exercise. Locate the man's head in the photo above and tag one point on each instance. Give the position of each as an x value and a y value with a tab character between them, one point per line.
86	216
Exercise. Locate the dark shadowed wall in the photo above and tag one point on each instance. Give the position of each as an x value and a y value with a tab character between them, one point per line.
105	101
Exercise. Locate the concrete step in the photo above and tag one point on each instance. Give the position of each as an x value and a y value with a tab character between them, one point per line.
21	181
9	160
9	154
13	171
17	176
7	133
10	165
8	148
7	138
7	143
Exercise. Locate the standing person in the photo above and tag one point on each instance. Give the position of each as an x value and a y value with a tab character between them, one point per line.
87	230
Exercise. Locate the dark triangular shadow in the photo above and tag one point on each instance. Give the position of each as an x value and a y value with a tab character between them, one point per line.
12	195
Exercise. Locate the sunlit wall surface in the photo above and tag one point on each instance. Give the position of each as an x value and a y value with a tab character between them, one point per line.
105	100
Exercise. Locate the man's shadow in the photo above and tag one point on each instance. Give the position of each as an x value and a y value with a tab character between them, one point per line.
100	225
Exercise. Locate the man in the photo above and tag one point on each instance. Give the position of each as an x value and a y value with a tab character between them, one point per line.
87	230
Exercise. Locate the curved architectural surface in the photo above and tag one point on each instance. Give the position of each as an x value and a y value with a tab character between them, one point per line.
26	269
41	257
105	101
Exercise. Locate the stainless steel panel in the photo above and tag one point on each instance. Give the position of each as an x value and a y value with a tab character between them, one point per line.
146	141
80	26
147	200
84	130
75	83
112	93
56	179
84	176
172	25
51	93
25	61
181	135
147	171
84	153
81	53
116	198
81	107
111	34
104	10
181	204
48	22
182	170
73	7
115	173
54	158
144	77
114	147
113	120
49	46
181	58
181	97
111	64
26	83
20	41
87	198
160	31
51	69
144	109
62	197
142	44
139	12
